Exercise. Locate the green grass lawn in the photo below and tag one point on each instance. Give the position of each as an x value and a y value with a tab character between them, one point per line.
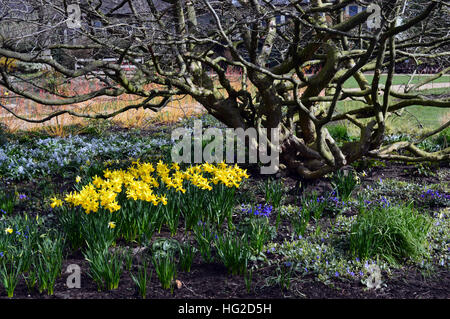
398	80
408	122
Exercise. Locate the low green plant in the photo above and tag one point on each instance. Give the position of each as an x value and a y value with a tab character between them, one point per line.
105	266
283	275
311	206
10	270
165	246
193	206
344	184
214	206
31	279
99	229
20	237
300	221
187	254
71	221
274	193
425	169
7	202
234	251
248	280
443	139
138	220
315	205
389	232
48	263
171	211
128	258
220	203
256	225
166	269
204	236
142	277
339	133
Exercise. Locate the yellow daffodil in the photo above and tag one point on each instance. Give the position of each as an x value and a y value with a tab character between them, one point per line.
140	179
78	179
97	181
56	202
163	200
112	206
111	225
8	230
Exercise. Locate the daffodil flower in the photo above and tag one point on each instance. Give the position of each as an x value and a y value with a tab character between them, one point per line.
111	225
8	230
78	179
56	202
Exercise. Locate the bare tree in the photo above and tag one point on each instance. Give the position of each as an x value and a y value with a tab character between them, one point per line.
185	47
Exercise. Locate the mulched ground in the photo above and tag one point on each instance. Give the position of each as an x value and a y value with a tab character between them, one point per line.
211	281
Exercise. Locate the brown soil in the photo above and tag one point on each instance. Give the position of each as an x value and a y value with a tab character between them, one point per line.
211	281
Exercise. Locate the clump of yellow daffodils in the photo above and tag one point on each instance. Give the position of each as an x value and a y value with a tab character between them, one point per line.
140	180
56	202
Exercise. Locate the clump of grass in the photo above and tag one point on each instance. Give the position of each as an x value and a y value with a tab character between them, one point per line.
443	139
166	269
344	184
3	137
49	263
257	226
187	254
105	266
274	192
204	236
7	202
142	278
10	275
234	252
392	233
